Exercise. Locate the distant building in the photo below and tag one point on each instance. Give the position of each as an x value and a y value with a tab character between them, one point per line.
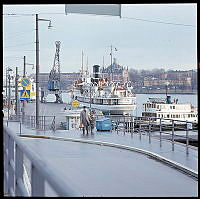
120	73
66	79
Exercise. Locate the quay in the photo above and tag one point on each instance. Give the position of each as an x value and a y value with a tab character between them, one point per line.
115	163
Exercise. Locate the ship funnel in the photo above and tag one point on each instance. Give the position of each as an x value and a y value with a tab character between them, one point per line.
96	74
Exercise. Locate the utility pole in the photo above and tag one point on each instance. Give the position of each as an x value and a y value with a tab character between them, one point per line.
37	73
23	103
16	93
82	66
24	66
8	96
37	68
6	85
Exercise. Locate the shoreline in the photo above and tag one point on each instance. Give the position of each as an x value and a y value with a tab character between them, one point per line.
184	92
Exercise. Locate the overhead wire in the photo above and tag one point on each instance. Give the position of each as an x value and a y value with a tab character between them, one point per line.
154	21
133	18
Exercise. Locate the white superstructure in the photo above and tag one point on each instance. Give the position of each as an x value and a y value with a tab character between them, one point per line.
110	98
164	108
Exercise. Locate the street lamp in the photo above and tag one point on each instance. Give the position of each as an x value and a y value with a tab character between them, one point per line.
37	67
9	94
8	69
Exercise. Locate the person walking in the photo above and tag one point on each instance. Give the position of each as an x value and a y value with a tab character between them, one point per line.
92	120
84	119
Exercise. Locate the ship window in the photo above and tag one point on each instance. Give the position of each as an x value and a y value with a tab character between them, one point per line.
170	107
157	106
167	116
173	107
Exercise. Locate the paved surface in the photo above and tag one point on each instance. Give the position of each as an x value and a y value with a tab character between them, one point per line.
95	170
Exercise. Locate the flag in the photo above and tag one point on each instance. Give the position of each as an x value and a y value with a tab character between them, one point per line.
98	9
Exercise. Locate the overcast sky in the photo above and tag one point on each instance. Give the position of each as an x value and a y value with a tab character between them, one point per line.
141	44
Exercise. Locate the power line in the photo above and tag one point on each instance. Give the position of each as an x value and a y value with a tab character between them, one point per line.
14	14
153	21
134	18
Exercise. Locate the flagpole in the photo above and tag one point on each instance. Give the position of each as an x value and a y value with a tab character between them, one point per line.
111	64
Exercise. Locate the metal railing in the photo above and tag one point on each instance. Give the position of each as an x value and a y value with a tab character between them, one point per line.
44	122
150	125
14	184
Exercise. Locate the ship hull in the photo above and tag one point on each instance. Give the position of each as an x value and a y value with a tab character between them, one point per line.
122	109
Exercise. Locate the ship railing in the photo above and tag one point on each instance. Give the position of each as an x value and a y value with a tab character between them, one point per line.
40	178
162	128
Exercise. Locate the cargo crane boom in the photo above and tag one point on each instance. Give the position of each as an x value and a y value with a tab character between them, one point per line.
54	76
54	85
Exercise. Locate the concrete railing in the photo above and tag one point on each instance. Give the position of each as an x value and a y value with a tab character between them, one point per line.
40	172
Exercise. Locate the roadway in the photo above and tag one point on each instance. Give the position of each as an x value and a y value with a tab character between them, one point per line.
99	170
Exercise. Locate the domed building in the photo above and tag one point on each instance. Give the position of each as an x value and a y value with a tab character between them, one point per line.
115	72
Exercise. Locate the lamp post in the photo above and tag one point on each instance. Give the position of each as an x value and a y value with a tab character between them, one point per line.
16	93
7	70
24	75
9	95
37	68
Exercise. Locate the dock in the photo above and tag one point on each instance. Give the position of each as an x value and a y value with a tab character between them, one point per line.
128	164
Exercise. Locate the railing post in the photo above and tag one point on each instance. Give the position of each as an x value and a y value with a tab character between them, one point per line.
187	138
44	122
149	130
20	127
140	128
124	125
160	132
18	169
37	183
172	135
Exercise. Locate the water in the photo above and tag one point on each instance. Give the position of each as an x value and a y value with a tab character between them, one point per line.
140	99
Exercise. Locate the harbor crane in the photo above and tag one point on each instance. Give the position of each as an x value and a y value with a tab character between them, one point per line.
54	86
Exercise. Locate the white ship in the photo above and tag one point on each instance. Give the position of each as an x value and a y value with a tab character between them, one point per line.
108	97
167	109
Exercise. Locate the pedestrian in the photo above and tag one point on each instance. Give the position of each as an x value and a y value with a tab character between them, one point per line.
84	119
92	119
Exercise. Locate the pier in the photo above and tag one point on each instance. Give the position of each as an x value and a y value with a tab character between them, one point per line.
131	160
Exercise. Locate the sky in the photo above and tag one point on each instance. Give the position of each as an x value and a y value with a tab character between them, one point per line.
140	43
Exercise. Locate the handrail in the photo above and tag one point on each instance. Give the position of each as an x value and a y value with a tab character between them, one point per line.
41	169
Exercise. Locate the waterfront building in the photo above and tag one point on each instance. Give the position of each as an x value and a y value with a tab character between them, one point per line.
119	73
